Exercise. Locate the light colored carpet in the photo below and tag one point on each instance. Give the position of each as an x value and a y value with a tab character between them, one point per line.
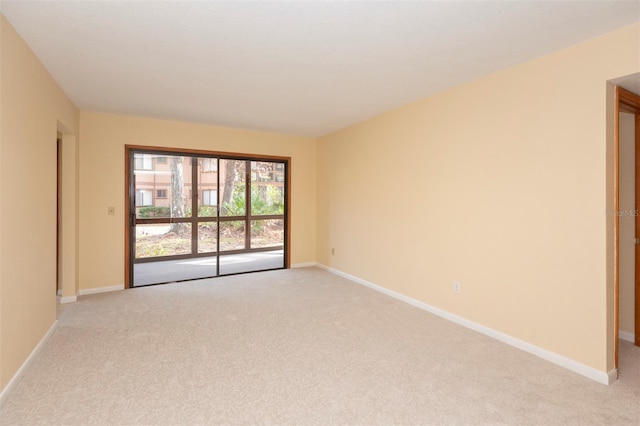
295	347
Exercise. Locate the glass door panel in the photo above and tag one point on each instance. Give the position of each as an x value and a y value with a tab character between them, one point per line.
204	216
267	233
233	205
267	188
207	187
233	199
160	240
232	235
162	186
208	237
267	213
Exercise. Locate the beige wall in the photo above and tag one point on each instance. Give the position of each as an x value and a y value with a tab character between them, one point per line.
103	137
627	222
498	184
32	108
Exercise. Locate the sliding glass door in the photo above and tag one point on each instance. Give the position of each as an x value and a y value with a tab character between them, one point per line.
198	216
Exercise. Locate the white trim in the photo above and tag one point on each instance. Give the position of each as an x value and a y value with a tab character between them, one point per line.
101	289
4	395
304	265
629	337
68	299
613	376
569	364
59	292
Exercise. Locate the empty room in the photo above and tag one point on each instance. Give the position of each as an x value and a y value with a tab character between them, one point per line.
319	212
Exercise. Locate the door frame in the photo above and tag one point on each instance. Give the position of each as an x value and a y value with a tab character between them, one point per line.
129	193
58	212
625	101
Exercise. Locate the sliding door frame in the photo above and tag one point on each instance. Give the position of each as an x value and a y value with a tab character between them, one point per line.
129	217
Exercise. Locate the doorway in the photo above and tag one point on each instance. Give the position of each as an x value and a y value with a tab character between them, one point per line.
194	214
627	219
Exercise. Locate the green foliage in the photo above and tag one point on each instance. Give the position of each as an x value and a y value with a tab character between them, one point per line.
274	204
265	202
151	211
151	251
236	207
205	211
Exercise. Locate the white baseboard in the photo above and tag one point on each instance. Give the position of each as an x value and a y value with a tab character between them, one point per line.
68	299
569	364
629	337
32	356
86	291
304	265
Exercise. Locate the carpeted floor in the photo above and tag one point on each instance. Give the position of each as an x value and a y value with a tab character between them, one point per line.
295	347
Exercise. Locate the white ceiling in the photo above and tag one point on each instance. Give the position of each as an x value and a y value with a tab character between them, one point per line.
305	68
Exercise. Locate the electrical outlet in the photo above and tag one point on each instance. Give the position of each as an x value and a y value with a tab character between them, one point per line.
456	287
111	210
333	251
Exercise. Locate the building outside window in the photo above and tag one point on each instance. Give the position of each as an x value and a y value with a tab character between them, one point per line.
144	197
143	162
209	197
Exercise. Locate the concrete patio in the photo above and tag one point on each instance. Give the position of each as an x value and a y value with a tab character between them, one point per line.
205	267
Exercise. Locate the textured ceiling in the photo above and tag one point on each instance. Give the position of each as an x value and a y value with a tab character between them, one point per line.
306	68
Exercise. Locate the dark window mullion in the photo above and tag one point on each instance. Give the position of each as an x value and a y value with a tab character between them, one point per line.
218	217
194	205
247	212
232	218
267	217
162	220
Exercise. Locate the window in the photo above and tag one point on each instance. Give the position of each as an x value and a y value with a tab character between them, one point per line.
144	197
209	197
209	165
143	162
204	205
